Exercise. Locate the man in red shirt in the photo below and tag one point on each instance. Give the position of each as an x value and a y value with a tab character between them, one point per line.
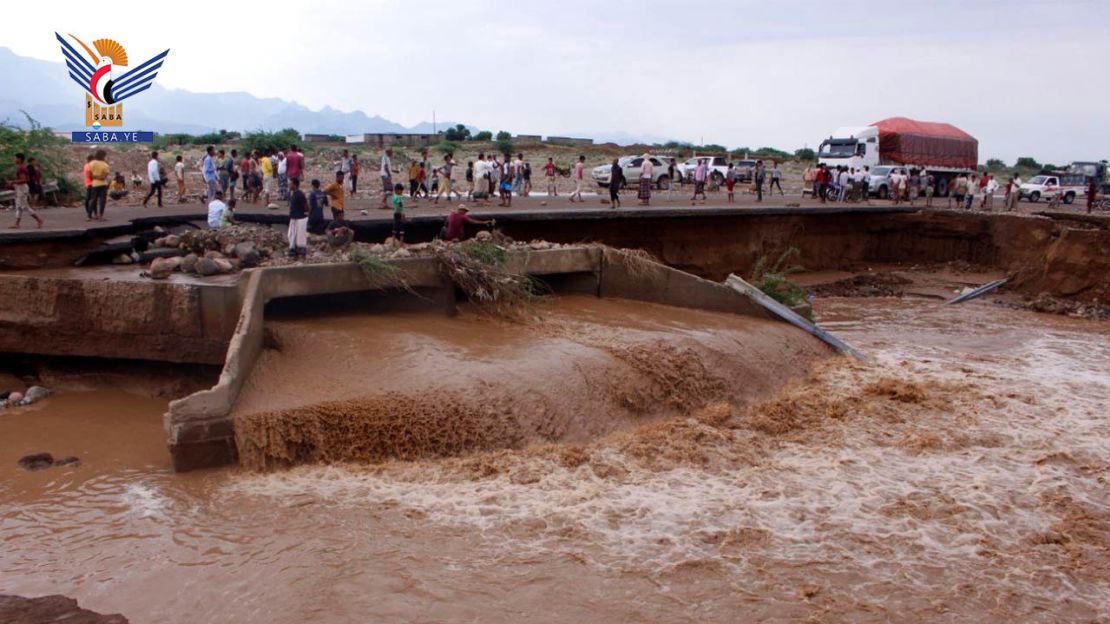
294	163
549	177
456	223
21	186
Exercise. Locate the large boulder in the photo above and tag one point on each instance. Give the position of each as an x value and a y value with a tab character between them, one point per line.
213	254
161	268
207	266
224	265
173	240
36	393
189	263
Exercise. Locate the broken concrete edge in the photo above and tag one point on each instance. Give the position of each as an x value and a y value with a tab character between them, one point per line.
200	429
786	314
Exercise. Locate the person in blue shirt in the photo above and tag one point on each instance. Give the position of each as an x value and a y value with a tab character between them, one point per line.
209	169
317	201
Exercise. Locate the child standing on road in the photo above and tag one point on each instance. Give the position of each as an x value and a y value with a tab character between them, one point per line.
730	182
399	213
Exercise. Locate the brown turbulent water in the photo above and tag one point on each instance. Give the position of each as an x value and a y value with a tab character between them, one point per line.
958	476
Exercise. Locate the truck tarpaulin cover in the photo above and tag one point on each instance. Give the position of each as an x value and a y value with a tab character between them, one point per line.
912	142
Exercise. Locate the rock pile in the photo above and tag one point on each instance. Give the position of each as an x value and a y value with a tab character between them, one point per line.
213	252
33	394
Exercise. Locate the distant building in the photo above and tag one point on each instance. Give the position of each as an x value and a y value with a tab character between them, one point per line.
556	140
317	138
528	138
390	139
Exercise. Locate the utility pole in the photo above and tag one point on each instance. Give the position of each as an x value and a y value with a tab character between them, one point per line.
435	130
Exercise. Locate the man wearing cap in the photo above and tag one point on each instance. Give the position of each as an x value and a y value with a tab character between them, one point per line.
456	223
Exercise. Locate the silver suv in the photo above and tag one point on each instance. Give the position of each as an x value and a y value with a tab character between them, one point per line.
633	166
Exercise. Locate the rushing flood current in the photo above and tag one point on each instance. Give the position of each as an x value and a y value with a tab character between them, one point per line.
960	475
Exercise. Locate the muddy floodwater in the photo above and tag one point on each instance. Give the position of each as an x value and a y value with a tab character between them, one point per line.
960	475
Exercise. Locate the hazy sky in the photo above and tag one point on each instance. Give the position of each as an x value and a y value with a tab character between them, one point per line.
1024	77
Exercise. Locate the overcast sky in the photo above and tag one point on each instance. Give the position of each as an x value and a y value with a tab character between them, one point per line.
1024	77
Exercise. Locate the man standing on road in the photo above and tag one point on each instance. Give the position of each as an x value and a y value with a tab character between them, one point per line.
208	169
699	181
21	187
386	174
153	173
759	176
1092	192
518	174
179	176
579	170
647	177
549	178
222	174
354	174
929	181
445	183
671	181
345	166
776	179
266	164
99	170
294	163
972	188
988	193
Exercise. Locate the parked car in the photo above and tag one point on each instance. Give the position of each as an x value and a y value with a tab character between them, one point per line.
879	183
1049	186
718	167
633	166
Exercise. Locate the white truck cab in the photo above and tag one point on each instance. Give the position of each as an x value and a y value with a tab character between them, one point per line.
851	146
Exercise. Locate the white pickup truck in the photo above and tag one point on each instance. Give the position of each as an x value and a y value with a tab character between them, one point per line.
1049	186
718	167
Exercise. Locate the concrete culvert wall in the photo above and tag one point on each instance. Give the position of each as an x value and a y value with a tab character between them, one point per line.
201	427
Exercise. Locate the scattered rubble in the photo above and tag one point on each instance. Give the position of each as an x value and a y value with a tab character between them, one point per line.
216	252
1055	305
866	285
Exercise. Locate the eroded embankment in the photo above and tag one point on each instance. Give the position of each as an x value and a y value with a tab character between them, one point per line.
1062	257
351	388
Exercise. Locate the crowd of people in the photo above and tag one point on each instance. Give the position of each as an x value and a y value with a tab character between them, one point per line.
909	184
264	176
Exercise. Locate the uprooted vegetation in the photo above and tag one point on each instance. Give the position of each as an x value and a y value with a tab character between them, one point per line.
773	278
478	269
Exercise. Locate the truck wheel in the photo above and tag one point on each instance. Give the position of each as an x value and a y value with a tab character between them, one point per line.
1035	196
884	192
1069	198
663	183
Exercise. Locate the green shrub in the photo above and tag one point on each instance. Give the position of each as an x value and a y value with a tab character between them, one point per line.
773	279
262	140
42	145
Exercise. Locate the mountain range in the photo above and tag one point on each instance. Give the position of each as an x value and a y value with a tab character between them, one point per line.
38	87
45	91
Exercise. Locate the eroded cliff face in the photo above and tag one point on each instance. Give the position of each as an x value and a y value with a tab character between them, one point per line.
116	319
